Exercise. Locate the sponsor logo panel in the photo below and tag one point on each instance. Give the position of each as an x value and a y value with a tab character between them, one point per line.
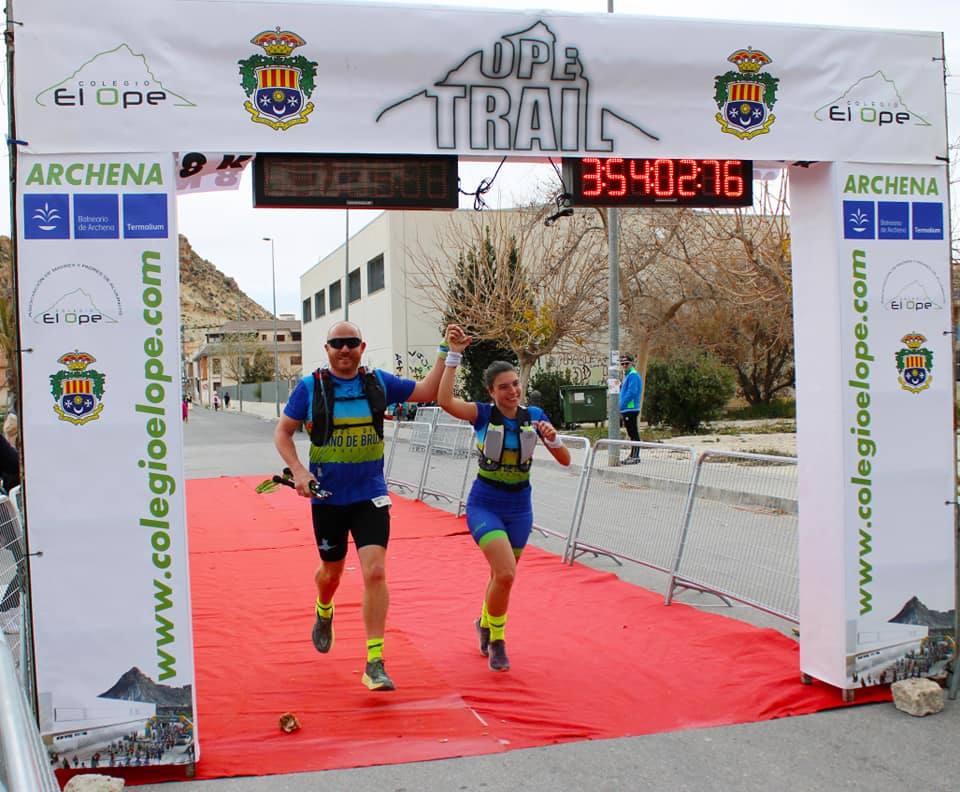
74	295
96	216
145	216
46	216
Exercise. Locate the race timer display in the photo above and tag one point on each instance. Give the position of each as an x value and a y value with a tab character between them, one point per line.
372	181
617	181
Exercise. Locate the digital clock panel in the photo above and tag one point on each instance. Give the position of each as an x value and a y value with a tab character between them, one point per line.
618	181
371	181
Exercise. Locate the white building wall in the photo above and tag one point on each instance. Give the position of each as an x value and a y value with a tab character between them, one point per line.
398	322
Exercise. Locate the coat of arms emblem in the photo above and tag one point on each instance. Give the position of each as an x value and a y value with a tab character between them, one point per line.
77	392
914	362
746	97
279	86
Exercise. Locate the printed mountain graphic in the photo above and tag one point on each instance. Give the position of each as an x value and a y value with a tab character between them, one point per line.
915	612
137	686
876	88
918	291
77	301
524	80
104	67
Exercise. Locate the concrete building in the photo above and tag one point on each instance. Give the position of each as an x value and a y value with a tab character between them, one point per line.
400	324
219	363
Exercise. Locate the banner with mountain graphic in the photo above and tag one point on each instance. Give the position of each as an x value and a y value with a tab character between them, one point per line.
195	76
875	402
99	319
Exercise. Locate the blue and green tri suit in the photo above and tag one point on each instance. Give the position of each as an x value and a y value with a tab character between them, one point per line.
350	465
499	503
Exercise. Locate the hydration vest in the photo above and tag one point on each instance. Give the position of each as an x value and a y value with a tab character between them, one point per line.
491	452
324	398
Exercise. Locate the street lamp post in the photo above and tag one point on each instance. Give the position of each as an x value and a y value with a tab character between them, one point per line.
276	350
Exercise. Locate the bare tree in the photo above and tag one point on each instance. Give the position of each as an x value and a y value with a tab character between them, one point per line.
528	286
717	280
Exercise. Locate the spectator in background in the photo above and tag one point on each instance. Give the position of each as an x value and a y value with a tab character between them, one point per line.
216	402
185	409
630	390
226	399
11	428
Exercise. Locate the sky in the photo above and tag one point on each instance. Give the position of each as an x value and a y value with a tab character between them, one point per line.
225	229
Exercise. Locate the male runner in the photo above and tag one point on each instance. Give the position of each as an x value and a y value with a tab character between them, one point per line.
343	408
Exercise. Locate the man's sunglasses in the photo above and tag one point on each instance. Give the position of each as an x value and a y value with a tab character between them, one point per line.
340	343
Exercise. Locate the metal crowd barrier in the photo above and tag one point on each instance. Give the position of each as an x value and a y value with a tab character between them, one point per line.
555	514
740	532
24	762
12	577
447	462
405	451
616	518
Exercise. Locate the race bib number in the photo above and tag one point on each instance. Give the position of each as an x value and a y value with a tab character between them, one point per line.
382	500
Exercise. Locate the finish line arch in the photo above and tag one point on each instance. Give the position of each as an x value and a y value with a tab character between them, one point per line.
856	115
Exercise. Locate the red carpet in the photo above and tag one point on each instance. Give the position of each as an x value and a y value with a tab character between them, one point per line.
623	665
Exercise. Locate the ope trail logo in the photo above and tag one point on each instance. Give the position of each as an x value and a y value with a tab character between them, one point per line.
525	92
279	85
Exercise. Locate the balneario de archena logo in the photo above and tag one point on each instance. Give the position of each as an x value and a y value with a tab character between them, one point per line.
526	91
278	83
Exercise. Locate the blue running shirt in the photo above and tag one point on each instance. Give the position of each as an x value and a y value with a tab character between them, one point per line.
351	464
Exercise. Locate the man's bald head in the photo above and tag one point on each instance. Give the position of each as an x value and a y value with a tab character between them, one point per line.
344	330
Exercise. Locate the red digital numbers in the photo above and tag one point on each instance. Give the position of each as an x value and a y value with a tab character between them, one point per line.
616	181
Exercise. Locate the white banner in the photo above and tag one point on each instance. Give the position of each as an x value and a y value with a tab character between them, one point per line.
103	447
877	453
191	75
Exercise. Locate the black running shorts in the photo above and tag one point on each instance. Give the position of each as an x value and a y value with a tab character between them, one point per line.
369	525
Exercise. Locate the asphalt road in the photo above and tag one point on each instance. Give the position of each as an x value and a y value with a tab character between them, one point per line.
871	748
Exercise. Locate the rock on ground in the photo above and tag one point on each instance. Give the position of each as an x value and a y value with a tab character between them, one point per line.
917	696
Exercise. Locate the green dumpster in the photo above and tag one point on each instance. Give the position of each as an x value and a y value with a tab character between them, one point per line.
583	403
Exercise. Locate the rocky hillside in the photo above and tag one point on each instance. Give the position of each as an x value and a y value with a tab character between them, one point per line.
208	298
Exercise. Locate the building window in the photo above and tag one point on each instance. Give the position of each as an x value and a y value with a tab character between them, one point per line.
336	300
319	304
353	285
216	366
375	274
294	336
263	337
296	360
307	312
281	337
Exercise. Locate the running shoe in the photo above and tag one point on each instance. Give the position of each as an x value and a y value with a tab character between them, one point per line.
375	676
483	633
497	655
323	634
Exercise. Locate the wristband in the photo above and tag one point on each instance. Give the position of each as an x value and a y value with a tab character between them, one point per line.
555	443
453	359
442	350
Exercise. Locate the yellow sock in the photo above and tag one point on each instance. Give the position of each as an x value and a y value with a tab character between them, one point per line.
497	626
374	649
484	618
324	611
